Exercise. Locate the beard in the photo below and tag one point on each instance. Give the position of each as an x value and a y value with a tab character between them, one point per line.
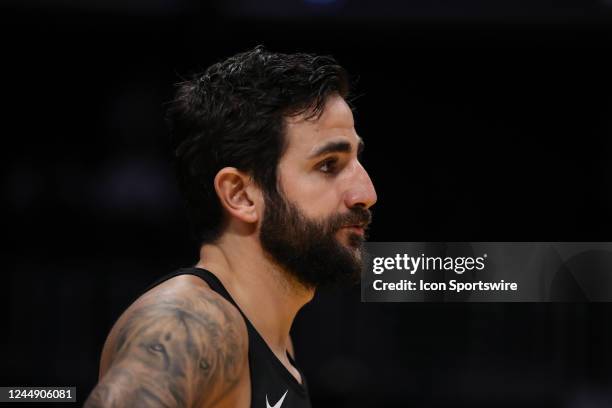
308	249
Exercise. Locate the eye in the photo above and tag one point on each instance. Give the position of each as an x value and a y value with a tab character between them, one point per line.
329	166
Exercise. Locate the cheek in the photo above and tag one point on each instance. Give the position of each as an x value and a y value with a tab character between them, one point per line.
320	204
315	198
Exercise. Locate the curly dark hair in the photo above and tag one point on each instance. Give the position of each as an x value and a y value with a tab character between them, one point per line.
234	115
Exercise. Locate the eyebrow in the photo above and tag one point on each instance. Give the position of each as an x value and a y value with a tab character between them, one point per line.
337	147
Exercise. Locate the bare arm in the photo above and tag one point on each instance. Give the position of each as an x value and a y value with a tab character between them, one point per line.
174	349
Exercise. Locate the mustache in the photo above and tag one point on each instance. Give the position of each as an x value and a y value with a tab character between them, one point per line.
356	216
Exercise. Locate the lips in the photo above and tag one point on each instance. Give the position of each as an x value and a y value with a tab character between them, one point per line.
358	228
356	222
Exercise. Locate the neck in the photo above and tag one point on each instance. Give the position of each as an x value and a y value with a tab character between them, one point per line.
268	295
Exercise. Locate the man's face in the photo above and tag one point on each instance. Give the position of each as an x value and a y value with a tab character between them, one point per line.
316	226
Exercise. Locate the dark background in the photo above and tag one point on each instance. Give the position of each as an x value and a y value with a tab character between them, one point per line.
483	120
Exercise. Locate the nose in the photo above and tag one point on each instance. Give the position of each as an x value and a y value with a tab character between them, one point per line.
361	191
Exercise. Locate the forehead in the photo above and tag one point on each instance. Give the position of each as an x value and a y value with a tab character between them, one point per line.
336	123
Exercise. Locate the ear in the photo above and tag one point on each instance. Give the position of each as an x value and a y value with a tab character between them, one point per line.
237	194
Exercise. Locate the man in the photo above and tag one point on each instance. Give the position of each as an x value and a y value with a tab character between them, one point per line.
267	159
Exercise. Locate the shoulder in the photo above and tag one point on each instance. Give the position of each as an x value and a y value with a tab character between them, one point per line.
184	305
182	329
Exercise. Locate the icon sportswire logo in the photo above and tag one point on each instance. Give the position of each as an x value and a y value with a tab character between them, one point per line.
278	404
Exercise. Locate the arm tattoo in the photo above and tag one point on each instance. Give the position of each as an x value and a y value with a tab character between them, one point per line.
174	352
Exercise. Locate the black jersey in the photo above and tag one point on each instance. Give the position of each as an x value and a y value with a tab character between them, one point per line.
272	385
